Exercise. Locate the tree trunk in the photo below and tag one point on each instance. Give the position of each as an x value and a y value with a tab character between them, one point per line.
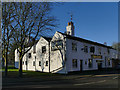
20	65
6	62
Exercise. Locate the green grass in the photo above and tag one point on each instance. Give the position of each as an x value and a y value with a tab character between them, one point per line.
13	72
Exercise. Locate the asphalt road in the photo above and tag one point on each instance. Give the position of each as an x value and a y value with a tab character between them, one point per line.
79	81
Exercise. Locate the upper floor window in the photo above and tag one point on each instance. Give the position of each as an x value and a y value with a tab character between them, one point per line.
74	46
74	63
108	50
86	49
55	45
43	49
92	49
34	49
99	50
29	55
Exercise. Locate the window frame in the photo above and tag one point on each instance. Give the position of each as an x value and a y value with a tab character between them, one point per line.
26	63
74	63
33	63
86	49
29	55
92	49
39	63
90	63
46	63
74	46
43	49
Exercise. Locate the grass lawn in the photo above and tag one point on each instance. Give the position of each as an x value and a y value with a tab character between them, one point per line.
13	72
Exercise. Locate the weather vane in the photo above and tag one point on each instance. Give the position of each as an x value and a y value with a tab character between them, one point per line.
71	15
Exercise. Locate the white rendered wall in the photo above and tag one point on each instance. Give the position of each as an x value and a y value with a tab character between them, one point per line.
57	58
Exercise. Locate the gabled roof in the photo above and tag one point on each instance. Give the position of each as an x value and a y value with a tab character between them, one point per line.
48	38
84	40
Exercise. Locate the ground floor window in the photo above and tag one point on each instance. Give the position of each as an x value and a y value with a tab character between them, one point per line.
33	63
26	62
108	62
90	62
23	63
46	63
39	63
74	63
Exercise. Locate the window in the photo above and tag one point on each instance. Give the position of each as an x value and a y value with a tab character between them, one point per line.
108	61
26	62
43	49
99	50
74	46
39	63
33	63
85	62
92	49
90	63
29	55
86	49
34	49
74	63
108	51
46	63
55	45
23	63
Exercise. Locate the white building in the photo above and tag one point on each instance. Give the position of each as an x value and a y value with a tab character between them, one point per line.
65	53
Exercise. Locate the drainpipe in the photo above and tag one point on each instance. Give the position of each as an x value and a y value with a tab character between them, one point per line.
49	56
65	56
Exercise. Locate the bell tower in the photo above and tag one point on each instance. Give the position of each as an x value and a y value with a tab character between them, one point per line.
70	28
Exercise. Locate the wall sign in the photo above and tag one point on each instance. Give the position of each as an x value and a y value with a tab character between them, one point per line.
96	56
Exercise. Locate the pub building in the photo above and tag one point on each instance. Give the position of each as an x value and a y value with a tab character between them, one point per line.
64	52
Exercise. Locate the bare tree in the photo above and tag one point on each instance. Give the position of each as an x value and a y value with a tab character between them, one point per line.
30	20
7	15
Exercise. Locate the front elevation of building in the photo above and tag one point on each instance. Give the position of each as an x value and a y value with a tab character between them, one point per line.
65	53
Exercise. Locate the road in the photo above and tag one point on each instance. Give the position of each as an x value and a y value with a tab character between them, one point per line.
79	81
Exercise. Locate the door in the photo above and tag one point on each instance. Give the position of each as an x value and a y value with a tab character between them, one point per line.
99	66
81	65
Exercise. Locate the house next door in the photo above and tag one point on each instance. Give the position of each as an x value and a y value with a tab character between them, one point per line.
81	65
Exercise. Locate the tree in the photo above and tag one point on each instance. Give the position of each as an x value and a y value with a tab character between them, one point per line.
116	46
7	15
30	20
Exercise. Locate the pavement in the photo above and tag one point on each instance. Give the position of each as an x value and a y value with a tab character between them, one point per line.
110	79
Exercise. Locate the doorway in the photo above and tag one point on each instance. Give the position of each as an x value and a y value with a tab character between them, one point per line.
99	66
81	65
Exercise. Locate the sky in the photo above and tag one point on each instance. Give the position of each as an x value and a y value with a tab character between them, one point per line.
95	21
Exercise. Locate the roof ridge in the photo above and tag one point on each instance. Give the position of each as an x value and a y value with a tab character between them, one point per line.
89	41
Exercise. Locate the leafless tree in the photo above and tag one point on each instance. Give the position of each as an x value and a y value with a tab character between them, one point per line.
30	20
7	21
